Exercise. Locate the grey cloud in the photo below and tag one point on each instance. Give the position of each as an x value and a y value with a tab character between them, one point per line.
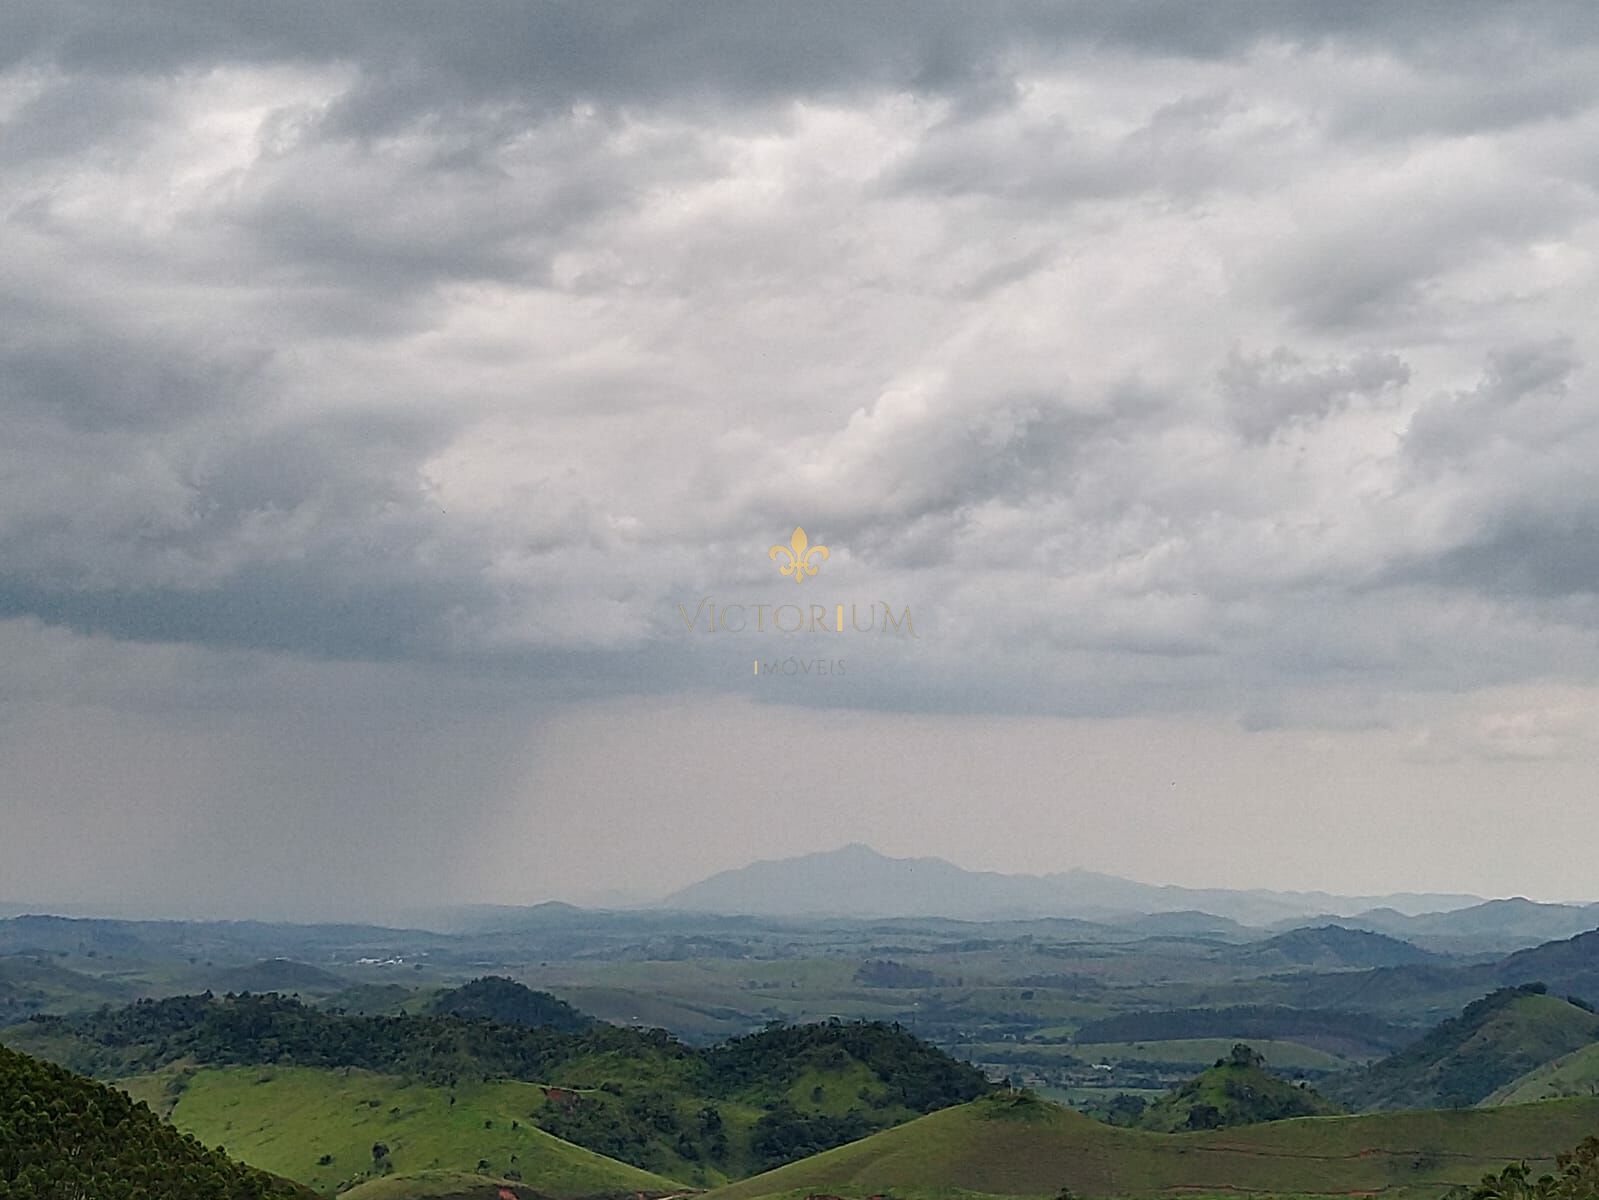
639	53
1267	392
73	115
1181	150
64	367
472	199
491	336
1515	451
1376	269
1522	398
1532	554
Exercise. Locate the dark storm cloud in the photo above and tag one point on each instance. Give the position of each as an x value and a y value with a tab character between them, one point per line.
642	53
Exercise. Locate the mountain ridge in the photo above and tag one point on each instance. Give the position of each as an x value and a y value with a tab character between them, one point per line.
858	880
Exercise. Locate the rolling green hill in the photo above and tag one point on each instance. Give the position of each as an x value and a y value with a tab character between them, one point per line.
1331	947
32	983
1236	1091
702	1115
1016	1145
1465	1059
320	1127
65	1136
1574	1074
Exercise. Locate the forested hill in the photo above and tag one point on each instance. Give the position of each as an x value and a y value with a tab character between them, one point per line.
496	998
64	1136
247	1029
639	1096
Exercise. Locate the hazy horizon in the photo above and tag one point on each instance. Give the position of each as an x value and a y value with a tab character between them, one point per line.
624	900
391	396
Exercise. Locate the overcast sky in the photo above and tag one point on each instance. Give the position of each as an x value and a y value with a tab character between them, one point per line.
1214	382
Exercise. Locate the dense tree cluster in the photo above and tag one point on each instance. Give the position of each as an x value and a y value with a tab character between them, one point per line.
496	998
63	1137
785	1135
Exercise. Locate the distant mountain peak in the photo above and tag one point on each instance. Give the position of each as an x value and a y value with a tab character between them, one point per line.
857	880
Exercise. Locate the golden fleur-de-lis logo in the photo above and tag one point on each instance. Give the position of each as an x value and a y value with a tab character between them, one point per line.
798	554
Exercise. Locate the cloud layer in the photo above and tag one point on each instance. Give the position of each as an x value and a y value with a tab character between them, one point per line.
1231	360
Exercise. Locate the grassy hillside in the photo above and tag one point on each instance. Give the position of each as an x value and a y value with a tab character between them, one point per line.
702	1115
1465	1059
1236	1091
441	1185
320	1127
1575	1074
65	1136
1018	1146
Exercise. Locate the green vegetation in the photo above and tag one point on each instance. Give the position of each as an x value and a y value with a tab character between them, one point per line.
1236	1091
1186	1054
496	998
1575	1177
376	1000
441	1185
910	1074
465	1077
63	1137
1575	1074
31	984
279	975
248	1029
886	973
1333	1028
1333	947
1017	1145
1466	1059
640	1097
320	1127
